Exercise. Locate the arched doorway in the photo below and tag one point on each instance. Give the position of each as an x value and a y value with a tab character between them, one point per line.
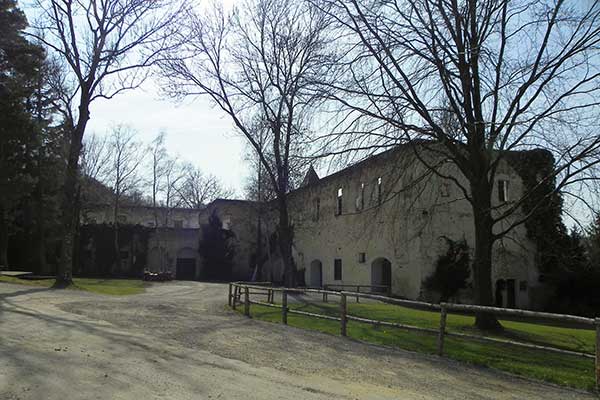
316	273
186	264
381	273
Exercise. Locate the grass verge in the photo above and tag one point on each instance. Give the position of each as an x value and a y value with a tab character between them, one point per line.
565	370
115	287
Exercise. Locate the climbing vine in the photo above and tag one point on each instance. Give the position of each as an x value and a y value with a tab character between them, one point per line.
545	226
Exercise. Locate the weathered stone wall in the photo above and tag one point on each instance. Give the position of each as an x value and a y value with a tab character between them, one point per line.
405	225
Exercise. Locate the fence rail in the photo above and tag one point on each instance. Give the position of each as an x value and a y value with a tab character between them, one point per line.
236	289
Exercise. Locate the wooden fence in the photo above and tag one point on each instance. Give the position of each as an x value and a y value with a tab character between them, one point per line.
237	289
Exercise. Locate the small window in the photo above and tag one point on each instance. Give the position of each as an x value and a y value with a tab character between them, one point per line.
317	209
362	257
340	194
361	200
379	190
178	223
502	191
337	269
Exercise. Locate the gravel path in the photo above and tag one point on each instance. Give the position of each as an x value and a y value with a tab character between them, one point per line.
178	341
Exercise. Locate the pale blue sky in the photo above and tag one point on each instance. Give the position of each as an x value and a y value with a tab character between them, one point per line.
196	131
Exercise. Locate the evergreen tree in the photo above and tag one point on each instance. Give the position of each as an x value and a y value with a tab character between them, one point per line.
216	249
20	63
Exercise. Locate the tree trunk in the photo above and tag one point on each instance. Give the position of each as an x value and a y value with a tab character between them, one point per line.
482	261
116	248
40	252
64	275
285	242
3	239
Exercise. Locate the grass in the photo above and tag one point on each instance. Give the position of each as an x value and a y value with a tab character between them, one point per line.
566	370
115	287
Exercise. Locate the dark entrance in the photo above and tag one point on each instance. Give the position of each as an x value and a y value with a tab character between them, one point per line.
186	269
510	293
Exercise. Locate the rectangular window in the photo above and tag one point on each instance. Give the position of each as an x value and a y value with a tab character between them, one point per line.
361	201
502	191
317	209
340	194
379	192
337	269
362	257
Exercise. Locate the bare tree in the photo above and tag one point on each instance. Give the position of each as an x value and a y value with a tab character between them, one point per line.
106	47
478	80
196	189
258	63
123	174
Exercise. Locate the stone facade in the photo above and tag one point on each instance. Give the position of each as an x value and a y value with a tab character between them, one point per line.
383	221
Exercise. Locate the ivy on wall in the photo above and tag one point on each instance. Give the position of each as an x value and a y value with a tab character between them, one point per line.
97	253
545	226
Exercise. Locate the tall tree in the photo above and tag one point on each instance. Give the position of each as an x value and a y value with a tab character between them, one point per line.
125	159
196	189
106	46
511	75
20	63
258	63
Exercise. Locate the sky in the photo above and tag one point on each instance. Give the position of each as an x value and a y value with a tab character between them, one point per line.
195	131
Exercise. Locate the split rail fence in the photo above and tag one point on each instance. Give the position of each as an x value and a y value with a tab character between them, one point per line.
240	292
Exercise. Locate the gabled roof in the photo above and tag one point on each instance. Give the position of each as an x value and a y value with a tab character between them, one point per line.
310	177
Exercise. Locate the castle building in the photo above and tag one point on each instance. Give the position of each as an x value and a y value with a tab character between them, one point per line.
384	221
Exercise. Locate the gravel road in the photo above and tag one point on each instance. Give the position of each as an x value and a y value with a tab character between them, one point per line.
178	341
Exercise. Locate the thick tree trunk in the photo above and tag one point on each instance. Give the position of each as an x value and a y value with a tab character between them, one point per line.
3	239
40	252
482	261
285	243
64	275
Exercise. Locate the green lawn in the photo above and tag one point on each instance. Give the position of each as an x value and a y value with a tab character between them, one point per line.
117	287
561	369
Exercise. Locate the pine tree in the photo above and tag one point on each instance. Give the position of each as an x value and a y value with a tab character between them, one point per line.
20	63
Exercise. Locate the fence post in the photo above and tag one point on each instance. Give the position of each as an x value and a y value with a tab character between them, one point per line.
357	291
598	354
325	294
246	301
284	309
229	297
270	295
343	314
443	315
234	298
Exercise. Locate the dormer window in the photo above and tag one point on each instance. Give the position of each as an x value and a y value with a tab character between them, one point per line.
502	191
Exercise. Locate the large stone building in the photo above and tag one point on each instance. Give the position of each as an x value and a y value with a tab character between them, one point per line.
383	221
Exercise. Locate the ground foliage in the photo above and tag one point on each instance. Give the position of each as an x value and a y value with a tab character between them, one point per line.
452	270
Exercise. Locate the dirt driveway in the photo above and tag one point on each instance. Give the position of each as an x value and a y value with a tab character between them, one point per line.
178	341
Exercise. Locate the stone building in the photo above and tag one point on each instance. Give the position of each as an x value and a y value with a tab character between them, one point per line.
383	221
